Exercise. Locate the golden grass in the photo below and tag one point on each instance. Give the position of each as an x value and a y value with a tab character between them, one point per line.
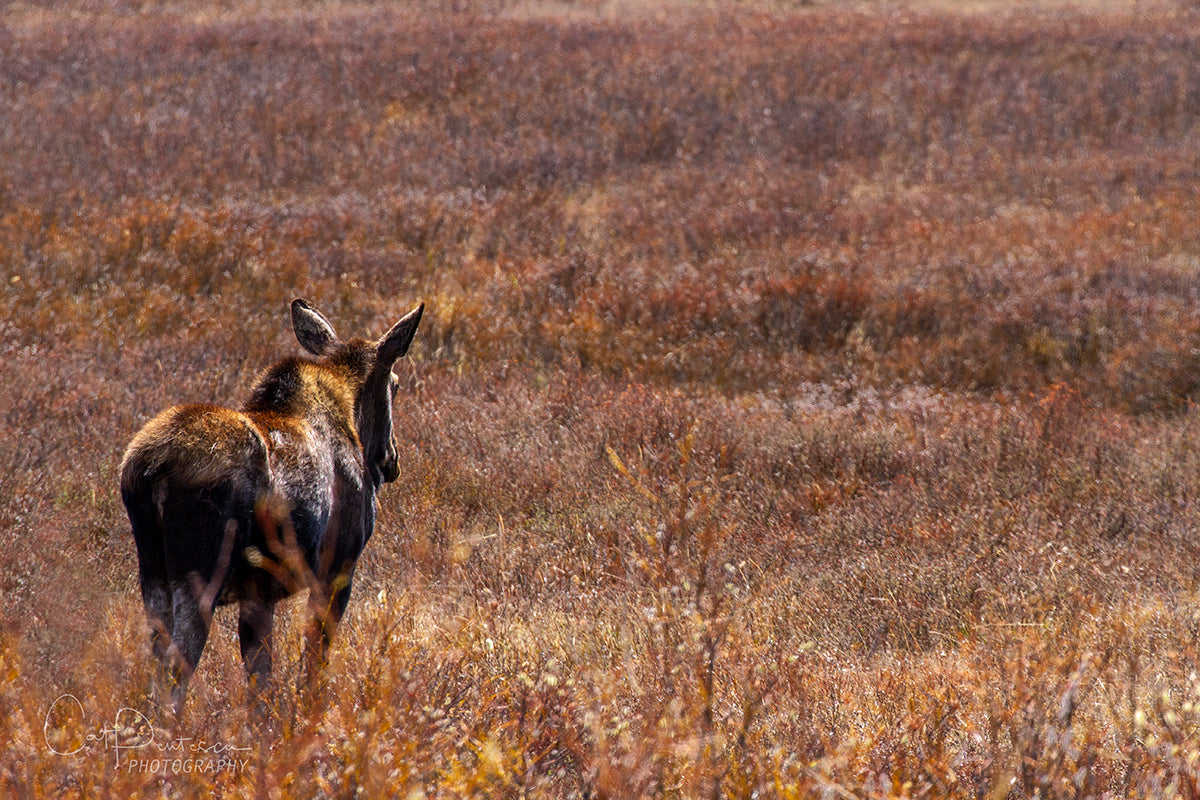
804	406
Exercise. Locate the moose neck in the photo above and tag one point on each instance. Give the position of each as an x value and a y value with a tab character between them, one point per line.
373	420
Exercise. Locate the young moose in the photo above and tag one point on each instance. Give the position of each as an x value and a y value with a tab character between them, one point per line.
251	506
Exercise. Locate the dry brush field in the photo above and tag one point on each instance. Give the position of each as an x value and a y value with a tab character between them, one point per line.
804	405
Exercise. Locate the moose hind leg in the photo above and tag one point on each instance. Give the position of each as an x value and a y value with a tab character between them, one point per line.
156	598
189	634
256	620
160	617
156	592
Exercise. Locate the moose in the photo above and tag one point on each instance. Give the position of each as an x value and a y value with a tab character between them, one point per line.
255	505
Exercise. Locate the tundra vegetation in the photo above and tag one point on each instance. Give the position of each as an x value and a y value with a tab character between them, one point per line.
803	405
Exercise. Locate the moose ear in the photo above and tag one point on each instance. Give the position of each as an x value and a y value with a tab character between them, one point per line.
395	342
313	331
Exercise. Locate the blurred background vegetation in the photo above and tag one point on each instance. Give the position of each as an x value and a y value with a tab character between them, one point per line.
804	403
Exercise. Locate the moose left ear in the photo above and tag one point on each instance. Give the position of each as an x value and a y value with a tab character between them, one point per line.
395	342
313	331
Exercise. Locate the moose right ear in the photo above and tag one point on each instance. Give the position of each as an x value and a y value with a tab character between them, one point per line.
395	342
313	331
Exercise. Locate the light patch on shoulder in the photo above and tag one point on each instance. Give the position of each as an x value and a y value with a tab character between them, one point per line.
159	497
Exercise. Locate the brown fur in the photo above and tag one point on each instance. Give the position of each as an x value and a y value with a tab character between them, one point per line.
251	505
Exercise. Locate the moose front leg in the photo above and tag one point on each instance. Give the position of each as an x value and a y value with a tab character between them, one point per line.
325	613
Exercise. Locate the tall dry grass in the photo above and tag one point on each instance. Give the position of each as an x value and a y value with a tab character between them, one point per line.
804	404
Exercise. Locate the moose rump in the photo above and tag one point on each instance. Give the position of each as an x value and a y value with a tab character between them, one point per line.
198	486
252	505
